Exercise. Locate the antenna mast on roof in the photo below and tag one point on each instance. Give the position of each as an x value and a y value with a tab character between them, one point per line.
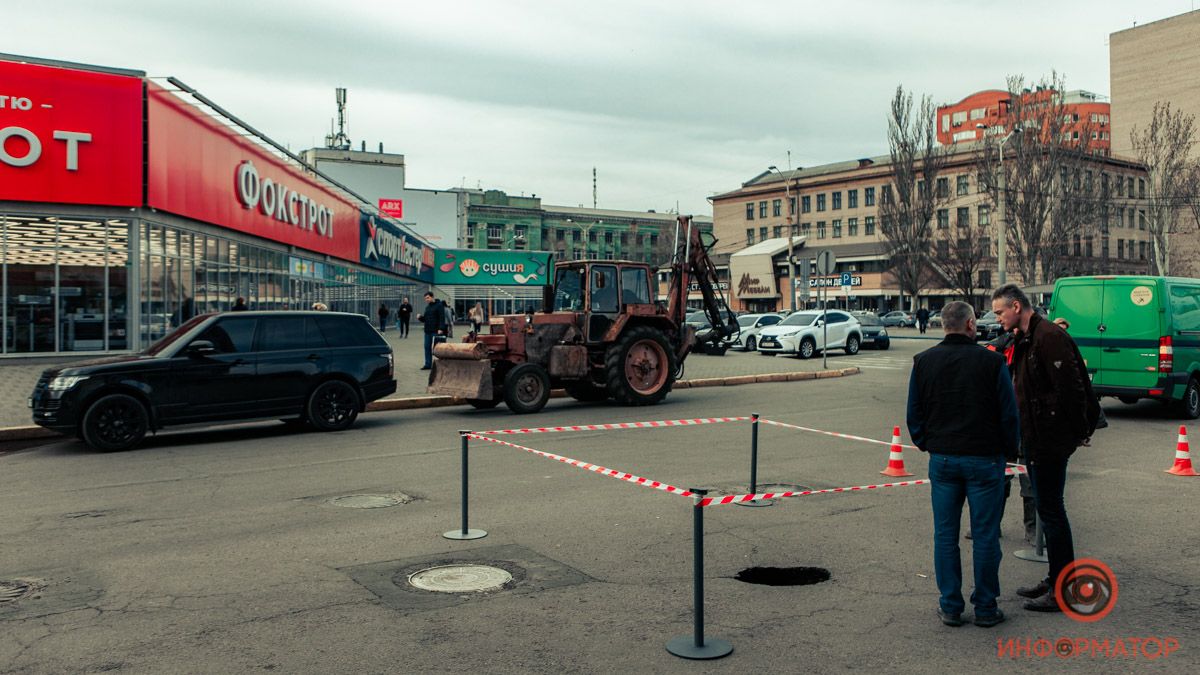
339	140
593	187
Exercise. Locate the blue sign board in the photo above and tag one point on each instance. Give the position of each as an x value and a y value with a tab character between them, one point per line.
386	246
845	279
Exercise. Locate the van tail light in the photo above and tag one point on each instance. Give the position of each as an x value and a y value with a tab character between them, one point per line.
1166	355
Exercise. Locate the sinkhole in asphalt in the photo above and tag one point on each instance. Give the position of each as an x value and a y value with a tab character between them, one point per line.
12	591
783	576
460	578
370	501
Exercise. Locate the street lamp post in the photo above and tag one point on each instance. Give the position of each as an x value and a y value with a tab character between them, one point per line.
787	192
1002	239
587	231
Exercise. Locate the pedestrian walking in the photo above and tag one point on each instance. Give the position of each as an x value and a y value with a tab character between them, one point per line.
383	316
434	318
963	412
449	319
239	305
1058	414
477	317
404	313
922	319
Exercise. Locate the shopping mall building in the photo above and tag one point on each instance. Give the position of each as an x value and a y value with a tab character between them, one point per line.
128	206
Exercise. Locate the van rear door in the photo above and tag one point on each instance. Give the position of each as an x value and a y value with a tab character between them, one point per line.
1131	319
1081	302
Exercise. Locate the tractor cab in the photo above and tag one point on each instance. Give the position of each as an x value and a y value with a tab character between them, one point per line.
603	291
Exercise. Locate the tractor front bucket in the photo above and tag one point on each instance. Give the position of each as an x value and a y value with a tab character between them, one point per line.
463	378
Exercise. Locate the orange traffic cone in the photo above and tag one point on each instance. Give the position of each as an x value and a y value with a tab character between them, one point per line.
895	466
1183	458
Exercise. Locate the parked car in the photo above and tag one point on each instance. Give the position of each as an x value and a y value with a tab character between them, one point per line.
987	327
935	319
699	321
874	333
751	325
319	368
803	333
899	318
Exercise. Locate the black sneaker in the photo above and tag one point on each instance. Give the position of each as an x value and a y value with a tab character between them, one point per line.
1046	603
949	619
990	620
1036	591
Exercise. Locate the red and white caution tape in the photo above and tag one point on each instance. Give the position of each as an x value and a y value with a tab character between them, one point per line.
621	425
1014	469
612	473
732	499
834	434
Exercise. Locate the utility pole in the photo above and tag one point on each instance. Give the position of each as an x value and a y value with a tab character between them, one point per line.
791	236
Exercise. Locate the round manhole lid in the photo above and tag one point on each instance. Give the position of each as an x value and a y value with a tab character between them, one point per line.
369	501
12	591
459	578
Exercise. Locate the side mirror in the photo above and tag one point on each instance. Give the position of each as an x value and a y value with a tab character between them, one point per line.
200	348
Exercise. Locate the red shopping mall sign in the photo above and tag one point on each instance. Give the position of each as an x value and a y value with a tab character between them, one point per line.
392	207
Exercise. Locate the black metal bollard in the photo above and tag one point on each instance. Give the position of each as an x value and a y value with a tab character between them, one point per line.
464	532
695	646
754	465
1038	553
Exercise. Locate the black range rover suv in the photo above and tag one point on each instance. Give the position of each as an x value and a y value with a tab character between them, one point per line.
320	368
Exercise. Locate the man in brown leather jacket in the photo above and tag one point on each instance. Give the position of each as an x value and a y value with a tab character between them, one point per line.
1058	414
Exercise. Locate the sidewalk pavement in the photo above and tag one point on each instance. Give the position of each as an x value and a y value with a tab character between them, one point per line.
18	376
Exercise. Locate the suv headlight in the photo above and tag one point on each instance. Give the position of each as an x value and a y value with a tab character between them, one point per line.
882	332
65	382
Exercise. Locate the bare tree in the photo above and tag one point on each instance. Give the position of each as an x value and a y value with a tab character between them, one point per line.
1050	197
1163	146
960	251
909	202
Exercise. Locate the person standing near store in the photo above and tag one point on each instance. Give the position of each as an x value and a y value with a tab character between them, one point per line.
922	319
434	318
1058	414
403	314
477	317
962	411
383	315
240	305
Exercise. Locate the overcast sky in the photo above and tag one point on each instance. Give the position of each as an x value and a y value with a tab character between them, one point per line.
671	101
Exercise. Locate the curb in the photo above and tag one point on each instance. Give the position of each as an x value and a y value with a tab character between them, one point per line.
33	432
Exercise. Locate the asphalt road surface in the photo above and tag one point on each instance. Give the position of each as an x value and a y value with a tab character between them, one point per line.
229	550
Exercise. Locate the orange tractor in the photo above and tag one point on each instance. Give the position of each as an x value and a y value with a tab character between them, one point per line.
601	333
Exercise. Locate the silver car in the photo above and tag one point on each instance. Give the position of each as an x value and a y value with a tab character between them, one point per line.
752	325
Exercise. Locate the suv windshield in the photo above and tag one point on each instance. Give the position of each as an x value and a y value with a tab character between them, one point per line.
800	319
173	337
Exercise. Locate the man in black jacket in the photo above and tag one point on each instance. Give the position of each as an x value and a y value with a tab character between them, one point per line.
434	318
962	411
1058	414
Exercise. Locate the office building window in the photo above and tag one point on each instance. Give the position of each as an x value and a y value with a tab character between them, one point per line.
943	188
943	218
807	229
762	209
837	200
943	249
852	227
795	229
964	216
869	225
750	211
777	232
1141	220
886	197
985	278
820	229
985	246
805	204
964	185
837	229
852	199
985	214
1141	250
869	196
749	236
1104	248
791	206
1141	188
762	233
821	202
777	208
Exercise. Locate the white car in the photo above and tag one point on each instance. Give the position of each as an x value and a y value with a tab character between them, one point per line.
803	333
751	325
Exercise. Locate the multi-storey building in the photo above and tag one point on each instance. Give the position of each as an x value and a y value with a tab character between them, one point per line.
969	118
837	206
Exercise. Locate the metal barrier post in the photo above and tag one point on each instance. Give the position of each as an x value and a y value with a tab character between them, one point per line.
754	465
695	646
464	533
1038	554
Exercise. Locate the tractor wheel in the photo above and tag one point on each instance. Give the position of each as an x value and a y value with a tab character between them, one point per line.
526	388
640	367
584	390
484	404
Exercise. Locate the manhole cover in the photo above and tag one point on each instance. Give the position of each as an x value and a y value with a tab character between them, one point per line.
459	578
370	501
12	591
783	576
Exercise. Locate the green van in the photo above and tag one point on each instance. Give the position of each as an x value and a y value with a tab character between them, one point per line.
1139	335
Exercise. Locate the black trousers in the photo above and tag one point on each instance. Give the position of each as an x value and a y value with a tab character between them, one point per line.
1049	483
404	326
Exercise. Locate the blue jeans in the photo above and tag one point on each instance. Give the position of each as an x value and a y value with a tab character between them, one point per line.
980	482
1049	481
429	338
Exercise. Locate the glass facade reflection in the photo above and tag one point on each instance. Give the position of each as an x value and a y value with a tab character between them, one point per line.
95	284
